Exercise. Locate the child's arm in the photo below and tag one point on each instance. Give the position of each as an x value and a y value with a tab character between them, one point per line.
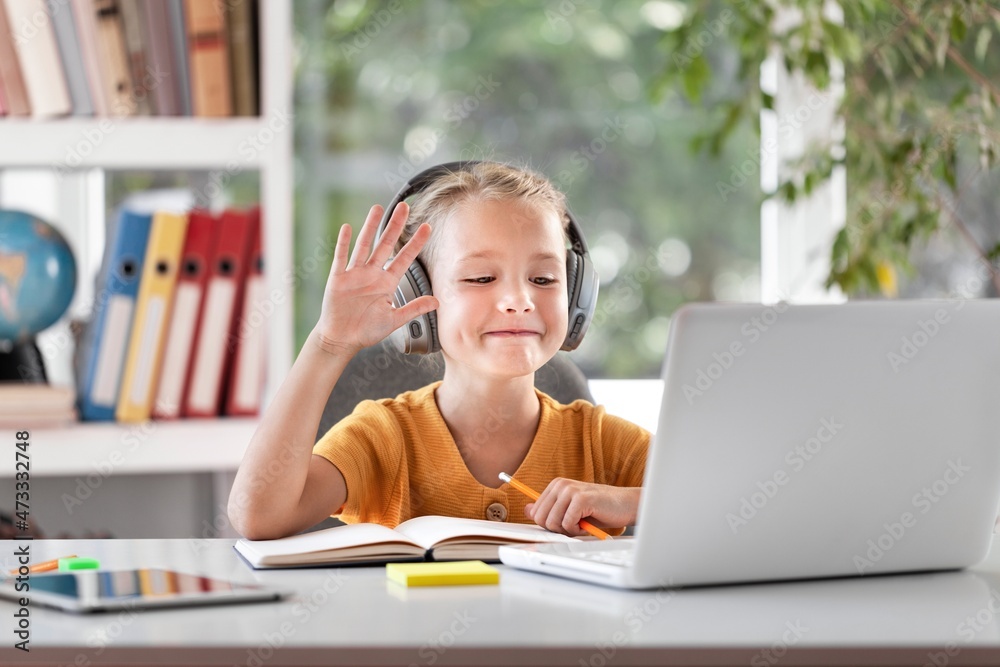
565	501
281	488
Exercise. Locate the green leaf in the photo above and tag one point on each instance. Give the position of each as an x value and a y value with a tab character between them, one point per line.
868	272
841	247
809	182
787	191
818	69
958	99
957	28
696	76
983	42
994	253
949	161
697	143
729	124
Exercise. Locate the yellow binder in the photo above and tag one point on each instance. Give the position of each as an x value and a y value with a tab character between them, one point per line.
152	314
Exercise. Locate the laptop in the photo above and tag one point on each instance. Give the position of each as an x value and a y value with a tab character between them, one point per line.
811	441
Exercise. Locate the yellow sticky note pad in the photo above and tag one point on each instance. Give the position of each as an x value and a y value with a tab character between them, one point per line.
453	573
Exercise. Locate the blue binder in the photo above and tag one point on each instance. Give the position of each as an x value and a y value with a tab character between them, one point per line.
106	338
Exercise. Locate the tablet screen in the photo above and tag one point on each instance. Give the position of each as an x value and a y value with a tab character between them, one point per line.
93	590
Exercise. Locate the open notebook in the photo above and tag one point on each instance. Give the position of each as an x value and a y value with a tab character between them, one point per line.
421	538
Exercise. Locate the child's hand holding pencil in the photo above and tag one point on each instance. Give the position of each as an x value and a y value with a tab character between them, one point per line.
534	495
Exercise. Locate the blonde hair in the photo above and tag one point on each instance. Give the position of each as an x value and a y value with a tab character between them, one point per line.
482	181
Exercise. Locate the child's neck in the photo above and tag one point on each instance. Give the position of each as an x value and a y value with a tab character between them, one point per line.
493	423
466	403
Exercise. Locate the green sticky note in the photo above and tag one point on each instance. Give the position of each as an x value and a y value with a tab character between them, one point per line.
67	564
447	573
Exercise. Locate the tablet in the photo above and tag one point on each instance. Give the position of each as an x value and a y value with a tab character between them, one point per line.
85	591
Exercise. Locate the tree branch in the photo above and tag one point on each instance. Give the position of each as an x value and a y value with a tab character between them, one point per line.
964	230
953	53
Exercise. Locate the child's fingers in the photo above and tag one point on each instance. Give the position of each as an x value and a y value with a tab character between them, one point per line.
409	252
387	242
366	237
340	252
559	518
543	506
413	309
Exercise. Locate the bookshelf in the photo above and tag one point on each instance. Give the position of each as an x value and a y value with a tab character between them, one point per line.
138	449
262	144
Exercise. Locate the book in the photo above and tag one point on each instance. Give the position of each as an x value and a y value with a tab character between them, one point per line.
113	58
135	50
181	68
453	573
242	23
23	405
159	45
97	81
422	538
15	94
38	55
70	54
208	58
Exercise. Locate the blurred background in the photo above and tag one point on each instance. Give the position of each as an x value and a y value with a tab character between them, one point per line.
386	89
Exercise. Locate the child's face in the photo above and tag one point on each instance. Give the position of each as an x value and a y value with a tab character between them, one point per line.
500	276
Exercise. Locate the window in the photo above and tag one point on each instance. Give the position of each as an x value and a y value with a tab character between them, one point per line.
386	89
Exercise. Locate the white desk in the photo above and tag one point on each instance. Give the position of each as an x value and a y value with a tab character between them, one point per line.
354	616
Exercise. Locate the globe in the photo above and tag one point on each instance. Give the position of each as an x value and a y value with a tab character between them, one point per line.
37	275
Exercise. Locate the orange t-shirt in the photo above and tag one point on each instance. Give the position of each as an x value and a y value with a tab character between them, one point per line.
400	460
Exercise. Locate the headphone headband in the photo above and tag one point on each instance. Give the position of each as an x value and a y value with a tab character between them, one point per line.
419	336
418	182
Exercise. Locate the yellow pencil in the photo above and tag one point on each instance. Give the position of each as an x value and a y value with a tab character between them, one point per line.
534	495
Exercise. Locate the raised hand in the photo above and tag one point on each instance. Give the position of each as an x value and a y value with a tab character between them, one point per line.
357	305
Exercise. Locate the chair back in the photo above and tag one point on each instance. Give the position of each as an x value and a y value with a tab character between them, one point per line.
382	371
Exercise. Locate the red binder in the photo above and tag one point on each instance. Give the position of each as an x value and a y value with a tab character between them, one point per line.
227	269
245	382
188	298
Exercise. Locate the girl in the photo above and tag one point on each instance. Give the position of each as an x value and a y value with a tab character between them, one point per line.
496	258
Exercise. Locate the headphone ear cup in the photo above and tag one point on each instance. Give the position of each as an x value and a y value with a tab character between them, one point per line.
582	285
572	276
419	335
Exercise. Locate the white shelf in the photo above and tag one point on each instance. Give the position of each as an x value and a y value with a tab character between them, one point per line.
218	445
110	448
140	143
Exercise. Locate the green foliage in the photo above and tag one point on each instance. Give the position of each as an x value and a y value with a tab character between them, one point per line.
920	98
376	76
